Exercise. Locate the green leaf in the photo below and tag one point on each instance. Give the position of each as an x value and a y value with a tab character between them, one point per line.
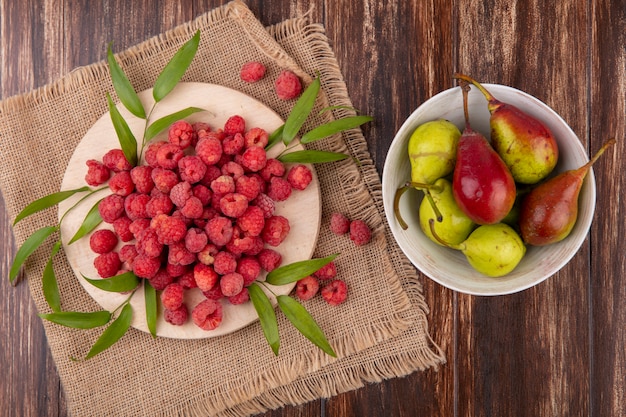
275	137
91	221
113	333
300	111
333	127
175	68
127	140
267	316
49	282
124	88
150	298
164	122
304	322
118	283
46	202
78	320
312	157
28	247
294	271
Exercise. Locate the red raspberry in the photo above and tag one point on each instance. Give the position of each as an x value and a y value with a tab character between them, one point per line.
176	317
142	178
209	149
307	287
360	233
207	315
148	243
151	153
168	155
180	193
164	179
145	266
328	271
176	270
273	168
207	214
198	126
169	229
242	297
256	247
193	208
214	293
98	174
179	255
249	268
122	184
203	193
127	254
265	203
135	206
116	161
107	264
207	255
287	85
232	145
195	240
219	230
224	263
254	159
232	169
240	244
111	208
188	222
278	189
138	225
191	169
249	186
172	296
231	284
181	133
121	226
159	204
275	230
187	280
269	259
339	224
161	279
300	176
252	71
233	204
103	241
256	137
335	292
252	221
235	124
223	184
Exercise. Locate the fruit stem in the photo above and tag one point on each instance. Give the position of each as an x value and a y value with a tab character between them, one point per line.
478	85
431	223
600	151
396	205
427	189
465	88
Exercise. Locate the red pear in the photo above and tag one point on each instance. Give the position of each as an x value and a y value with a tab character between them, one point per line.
550	210
482	185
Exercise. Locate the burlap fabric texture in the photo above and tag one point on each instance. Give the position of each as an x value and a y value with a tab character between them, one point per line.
380	332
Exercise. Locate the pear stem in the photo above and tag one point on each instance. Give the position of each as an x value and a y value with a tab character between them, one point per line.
465	89
431	223
426	188
396	206
600	151
478	85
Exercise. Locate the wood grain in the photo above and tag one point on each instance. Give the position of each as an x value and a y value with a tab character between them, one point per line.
555	349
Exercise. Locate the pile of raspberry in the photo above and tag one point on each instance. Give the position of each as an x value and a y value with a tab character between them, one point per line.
200	213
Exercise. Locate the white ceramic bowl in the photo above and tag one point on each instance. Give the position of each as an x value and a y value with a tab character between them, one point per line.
447	266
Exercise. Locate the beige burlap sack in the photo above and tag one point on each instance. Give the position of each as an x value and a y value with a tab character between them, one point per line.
381	332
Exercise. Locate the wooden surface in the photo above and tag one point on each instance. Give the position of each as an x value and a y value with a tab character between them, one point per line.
554	350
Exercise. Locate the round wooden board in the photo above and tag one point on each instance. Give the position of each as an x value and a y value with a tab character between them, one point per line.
303	208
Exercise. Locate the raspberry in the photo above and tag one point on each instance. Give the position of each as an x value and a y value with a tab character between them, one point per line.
179	255
116	161
207	255
287	85
111	208
127	254
249	268
151	153
98	174
224	263
180	193
242	297
172	296
360	233
275	230
214	293
138	225
176	317
159	204
191	169
161	279
235	124
231	284
103	241
179	215
256	247
223	184
233	204
148	243
252	221
181	133
232	145
273	168
142	178
176	270
219	230
328	271
232	169
169	229
145	266
195	240
339	224
299	176
240	244
256	137
254	158
207	214
201	126
164	179
193	208
278	189
107	264
135	206
203	193
252	71
269	259
335	292
187	280
265	203
122	184
249	186
207	315
168	155
209	149
307	287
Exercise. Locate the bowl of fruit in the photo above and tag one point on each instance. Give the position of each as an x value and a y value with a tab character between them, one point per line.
487	190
